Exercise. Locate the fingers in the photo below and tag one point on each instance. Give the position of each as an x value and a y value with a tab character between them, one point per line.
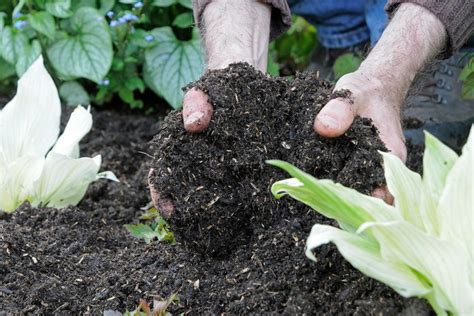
335	118
197	111
165	206
383	194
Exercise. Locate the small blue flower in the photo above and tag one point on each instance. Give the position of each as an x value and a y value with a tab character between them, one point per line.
130	17
138	5
122	20
113	23
20	24
110	14
149	38
104	82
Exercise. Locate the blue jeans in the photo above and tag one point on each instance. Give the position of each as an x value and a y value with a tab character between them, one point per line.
344	23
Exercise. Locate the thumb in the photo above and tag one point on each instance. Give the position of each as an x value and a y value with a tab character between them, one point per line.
197	111
335	118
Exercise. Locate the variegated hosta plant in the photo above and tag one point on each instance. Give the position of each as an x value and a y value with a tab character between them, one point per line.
36	165
423	245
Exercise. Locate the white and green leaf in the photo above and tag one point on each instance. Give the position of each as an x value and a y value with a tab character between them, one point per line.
171	64
86	54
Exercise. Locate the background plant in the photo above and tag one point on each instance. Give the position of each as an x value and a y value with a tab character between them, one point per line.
155	227
467	76
97	50
102	48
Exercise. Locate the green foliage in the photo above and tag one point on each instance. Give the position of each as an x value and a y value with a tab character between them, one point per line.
421	246
158	229
294	48
345	64
467	76
103	48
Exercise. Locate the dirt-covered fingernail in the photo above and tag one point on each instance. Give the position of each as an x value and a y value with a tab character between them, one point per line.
329	122
194	118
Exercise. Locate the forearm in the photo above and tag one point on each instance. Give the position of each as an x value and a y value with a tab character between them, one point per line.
412	39
236	31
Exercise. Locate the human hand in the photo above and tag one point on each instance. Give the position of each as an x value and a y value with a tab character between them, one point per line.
369	98
379	87
234	32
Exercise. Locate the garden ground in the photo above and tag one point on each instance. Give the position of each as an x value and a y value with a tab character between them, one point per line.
82	260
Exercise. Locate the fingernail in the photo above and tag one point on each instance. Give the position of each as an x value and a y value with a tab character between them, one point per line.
329	122
193	118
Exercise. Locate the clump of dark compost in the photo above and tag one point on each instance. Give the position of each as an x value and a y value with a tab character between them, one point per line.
218	179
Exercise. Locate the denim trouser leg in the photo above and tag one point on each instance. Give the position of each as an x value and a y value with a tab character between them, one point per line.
343	23
376	19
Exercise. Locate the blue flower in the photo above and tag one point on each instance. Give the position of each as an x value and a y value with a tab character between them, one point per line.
20	24
138	5
122	20
149	38
110	14
130	17
113	23
104	82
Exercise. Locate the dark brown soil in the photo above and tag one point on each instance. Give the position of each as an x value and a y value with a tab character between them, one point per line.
218	180
81	260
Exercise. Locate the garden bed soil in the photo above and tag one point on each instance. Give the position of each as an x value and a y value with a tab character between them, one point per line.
81	260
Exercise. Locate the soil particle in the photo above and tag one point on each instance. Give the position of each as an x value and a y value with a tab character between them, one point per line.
218	180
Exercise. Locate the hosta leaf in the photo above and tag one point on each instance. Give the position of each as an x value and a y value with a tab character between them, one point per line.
443	263
88	53
16	180
43	22
64	180
406	187
23	131
349	207
438	159
365	256
456	205
171	64
79	124
59	8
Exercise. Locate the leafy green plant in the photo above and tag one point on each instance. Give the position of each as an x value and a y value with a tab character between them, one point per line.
36	165
423	245
345	64
467	76
158	229
102	48
160	307
294	49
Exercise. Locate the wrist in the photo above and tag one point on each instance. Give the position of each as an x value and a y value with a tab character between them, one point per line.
413	38
236	31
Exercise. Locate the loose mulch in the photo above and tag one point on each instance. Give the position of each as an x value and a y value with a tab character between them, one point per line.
243	253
